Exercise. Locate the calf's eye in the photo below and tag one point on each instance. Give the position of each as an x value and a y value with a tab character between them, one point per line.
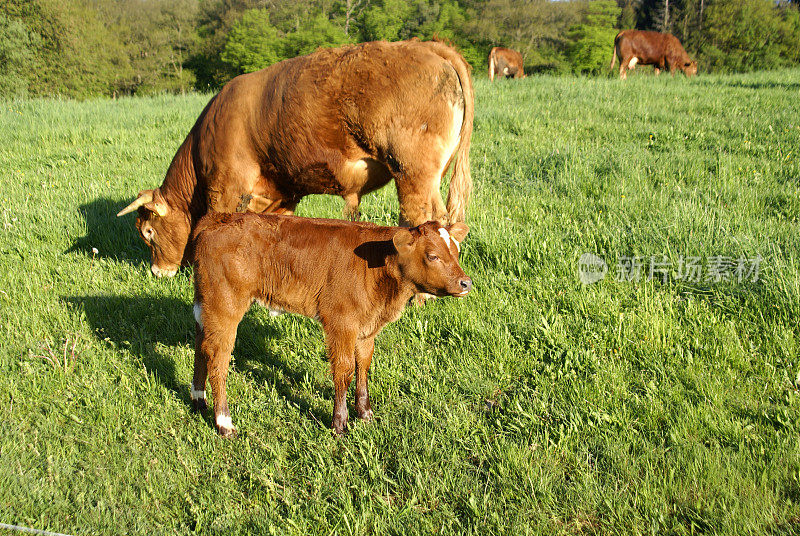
432	257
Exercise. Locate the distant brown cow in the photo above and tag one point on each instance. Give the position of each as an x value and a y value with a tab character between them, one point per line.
661	50
352	277
505	62
342	121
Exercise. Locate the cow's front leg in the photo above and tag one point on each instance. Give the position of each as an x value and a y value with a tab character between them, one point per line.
364	351
341	353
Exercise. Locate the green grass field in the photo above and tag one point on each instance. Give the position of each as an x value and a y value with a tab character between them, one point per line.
536	405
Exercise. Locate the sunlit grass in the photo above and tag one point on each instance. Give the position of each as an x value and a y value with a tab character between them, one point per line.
535	405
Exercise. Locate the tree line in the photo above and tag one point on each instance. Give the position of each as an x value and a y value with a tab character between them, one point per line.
83	48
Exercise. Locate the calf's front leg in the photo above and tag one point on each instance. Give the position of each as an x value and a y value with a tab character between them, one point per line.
364	350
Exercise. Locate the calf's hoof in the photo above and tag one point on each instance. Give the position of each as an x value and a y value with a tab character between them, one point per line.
227	433
199	405
339	426
366	415
225	426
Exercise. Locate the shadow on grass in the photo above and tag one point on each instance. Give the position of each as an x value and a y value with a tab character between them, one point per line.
146	324
773	84
114	238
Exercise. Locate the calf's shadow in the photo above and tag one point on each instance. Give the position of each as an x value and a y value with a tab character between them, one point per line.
143	324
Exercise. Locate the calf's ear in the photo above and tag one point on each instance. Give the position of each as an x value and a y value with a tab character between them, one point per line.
403	241
458	231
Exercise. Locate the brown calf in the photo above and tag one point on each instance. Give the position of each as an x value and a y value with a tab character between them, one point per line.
342	121
661	50
353	277
505	62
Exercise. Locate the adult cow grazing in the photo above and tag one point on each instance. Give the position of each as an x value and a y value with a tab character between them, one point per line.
505	62
342	121
661	50
353	277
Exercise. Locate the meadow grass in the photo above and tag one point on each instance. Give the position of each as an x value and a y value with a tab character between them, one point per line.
537	405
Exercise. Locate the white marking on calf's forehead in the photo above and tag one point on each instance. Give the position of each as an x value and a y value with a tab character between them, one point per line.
446	237
198	395
198	314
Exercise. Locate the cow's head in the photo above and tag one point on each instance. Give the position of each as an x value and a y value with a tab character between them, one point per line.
689	68
427	256
164	230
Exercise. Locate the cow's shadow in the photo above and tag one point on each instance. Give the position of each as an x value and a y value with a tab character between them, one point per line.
769	84
148	325
111	237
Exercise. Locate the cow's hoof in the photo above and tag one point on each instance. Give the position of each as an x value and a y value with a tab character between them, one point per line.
366	416
199	405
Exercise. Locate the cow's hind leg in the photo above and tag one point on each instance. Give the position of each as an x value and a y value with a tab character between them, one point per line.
351	211
420	198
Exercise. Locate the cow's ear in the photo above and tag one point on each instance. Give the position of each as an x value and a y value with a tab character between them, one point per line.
403	241
458	231
158	204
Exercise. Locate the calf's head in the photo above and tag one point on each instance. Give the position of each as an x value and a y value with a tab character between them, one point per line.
164	230
689	68
427	256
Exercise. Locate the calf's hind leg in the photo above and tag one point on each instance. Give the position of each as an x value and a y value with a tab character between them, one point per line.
215	340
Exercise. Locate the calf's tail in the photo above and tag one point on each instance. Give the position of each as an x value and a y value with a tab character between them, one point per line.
491	65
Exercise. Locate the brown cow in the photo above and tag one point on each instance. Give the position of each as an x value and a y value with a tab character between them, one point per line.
341	121
505	62
661	50
352	277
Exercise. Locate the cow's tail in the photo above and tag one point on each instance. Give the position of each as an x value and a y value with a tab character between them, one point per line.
461	179
491	64
614	51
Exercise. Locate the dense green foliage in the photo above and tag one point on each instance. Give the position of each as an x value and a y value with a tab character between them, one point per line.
99	47
533	406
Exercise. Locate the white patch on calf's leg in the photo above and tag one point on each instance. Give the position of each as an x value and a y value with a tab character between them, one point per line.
225	423
198	395
633	62
198	314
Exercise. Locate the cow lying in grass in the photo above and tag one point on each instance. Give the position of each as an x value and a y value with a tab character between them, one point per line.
353	277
